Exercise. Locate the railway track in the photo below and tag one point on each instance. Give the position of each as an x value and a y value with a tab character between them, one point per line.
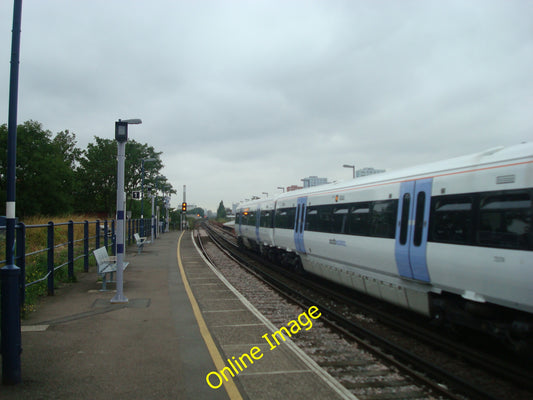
423	367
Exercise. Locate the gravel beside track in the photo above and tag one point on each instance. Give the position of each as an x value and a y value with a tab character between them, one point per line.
354	376
359	371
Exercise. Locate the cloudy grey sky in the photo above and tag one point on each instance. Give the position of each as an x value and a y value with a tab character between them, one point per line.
245	96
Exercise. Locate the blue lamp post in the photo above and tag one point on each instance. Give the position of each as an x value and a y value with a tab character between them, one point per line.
10	274
121	135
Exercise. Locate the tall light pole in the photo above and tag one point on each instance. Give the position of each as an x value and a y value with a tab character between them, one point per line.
121	135
352	167
155	212
142	193
152	224
10	274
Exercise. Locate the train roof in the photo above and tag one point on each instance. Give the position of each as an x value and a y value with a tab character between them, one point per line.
258	203
517	153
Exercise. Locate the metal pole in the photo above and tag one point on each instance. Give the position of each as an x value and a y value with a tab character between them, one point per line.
156	215
86	246
97	233
167	205
352	167
12	133
10	274
71	251
50	258
153	216
106	234
121	156
157	219
142	198
21	261
184	214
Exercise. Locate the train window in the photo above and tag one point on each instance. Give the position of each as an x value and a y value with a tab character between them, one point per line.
251	219
291	216
340	216
383	218
311	219
505	220
404	224
451	219
359	223
363	219
284	218
419	218
323	219
280	216
266	219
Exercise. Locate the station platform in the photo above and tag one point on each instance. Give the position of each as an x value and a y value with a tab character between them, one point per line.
182	323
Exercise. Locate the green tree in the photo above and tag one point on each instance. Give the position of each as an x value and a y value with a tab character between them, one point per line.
96	177
221	211
45	175
55	177
96	191
66	142
153	181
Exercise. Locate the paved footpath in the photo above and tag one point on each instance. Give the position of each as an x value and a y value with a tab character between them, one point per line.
79	346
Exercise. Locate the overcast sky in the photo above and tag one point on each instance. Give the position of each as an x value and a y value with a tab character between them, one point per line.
246	96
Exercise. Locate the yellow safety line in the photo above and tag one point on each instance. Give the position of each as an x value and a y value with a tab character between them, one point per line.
229	385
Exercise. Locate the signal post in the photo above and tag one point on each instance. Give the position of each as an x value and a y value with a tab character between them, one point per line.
183	214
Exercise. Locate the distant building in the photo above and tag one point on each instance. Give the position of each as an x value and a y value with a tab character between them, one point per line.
314	181
368	171
293	187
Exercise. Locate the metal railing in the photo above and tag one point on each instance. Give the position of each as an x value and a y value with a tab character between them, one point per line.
80	248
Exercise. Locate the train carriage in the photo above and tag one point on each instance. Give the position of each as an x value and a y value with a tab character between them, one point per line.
451	240
254	224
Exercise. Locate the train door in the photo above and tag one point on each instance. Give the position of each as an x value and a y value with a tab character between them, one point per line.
257	224
412	229
240	222
299	223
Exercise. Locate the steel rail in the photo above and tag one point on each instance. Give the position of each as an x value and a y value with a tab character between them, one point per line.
408	360
513	373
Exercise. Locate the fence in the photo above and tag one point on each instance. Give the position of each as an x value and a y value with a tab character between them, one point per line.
79	245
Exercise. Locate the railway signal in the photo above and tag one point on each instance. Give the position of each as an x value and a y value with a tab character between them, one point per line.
184	207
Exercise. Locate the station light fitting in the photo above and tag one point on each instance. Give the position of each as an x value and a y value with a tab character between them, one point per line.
121	131
121	128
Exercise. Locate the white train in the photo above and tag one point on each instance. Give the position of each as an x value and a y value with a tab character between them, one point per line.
452	240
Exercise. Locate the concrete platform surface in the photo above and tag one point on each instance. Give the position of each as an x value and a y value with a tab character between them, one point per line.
78	345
